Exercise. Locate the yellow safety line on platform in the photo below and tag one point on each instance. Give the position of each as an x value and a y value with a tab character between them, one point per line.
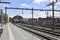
8	19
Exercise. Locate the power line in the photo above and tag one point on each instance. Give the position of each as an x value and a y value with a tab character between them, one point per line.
30	9
5	2
30	2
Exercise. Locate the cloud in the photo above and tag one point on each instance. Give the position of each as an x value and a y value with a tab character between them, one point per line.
56	14
38	1
25	5
51	0
58	3
6	5
42	14
10	0
54	7
54	0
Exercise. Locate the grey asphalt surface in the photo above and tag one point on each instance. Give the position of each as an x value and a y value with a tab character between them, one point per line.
11	32
5	34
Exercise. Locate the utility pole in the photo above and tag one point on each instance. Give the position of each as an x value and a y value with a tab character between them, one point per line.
53	21
1	17
1	29
5	15
53	14
46	12
5	10
32	17
47	17
5	3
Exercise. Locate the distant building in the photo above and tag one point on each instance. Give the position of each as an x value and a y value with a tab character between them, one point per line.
57	22
2	17
17	18
25	20
48	21
34	21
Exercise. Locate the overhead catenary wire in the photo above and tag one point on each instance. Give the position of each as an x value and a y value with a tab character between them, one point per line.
5	2
30	9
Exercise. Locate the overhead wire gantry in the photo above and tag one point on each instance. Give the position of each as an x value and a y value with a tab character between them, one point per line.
29	9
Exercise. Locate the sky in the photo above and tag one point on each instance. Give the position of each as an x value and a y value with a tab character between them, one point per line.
36	4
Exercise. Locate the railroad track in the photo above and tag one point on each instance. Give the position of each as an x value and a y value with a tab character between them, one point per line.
55	33
43	36
37	33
